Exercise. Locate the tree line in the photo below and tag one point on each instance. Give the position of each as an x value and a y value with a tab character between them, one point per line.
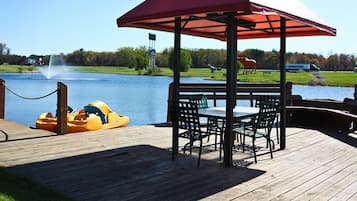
138	58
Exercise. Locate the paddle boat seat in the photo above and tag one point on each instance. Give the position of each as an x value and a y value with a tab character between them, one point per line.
94	110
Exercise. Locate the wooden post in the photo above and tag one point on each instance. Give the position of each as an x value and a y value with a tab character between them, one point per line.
2	99
214	99
61	108
282	83
355	94
176	86
251	99
231	89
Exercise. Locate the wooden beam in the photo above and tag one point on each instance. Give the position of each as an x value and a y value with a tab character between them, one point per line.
2	99
61	108
282	83
176	84
231	87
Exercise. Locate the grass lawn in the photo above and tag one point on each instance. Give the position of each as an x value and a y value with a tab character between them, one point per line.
17	188
348	79
16	69
272	77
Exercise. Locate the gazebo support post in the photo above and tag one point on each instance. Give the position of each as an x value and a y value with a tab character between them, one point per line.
282	83
231	87
176	84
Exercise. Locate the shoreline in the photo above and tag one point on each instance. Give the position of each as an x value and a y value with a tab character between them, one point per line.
337	79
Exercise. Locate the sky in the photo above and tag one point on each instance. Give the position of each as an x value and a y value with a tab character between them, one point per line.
45	27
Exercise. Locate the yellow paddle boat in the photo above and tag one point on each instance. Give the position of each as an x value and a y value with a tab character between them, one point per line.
95	116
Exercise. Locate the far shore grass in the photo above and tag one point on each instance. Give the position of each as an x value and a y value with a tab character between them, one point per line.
346	79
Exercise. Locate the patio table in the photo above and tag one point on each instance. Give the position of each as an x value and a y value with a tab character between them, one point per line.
239	113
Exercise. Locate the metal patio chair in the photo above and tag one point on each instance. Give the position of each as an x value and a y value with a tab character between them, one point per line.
189	121
260	126
214	126
258	100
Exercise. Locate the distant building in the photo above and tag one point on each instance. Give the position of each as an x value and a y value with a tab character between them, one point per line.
35	60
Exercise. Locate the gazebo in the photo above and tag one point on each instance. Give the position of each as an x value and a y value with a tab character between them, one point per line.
228	20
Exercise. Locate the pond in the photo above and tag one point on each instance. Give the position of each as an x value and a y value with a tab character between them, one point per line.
142	98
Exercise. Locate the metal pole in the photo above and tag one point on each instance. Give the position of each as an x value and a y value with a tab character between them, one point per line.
176	85
2	99
61	108
231	87
282	83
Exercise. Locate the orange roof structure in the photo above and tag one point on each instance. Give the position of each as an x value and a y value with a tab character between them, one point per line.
206	18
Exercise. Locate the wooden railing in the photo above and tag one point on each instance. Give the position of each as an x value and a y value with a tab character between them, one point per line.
348	104
217	91
61	104
324	113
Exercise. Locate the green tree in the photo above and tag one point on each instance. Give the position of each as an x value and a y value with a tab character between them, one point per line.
142	58
186	60
4	51
76	58
126	57
270	60
162	59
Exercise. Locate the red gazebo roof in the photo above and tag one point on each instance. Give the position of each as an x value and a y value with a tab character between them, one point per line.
206	18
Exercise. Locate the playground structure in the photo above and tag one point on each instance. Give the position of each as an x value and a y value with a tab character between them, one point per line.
249	65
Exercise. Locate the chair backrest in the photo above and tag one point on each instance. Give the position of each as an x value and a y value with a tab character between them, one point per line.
266	98
188	117
200	100
94	110
268	110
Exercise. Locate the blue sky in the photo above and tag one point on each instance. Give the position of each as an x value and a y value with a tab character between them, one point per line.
62	26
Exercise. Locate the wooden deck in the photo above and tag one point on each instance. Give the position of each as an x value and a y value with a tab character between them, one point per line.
134	163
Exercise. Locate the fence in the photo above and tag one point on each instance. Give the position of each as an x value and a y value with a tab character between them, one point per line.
215	91
61	103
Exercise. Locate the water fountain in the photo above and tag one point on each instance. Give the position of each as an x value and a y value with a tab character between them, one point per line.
55	69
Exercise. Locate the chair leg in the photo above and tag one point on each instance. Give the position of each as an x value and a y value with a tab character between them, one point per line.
277	129
277	132
191	145
271	151
215	141
243	144
255	155
199	154
239	138
220	145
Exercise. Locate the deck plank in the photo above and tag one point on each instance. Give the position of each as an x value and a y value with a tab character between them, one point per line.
134	163
330	187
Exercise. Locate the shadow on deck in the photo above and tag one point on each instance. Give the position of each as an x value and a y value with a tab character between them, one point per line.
140	172
347	137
